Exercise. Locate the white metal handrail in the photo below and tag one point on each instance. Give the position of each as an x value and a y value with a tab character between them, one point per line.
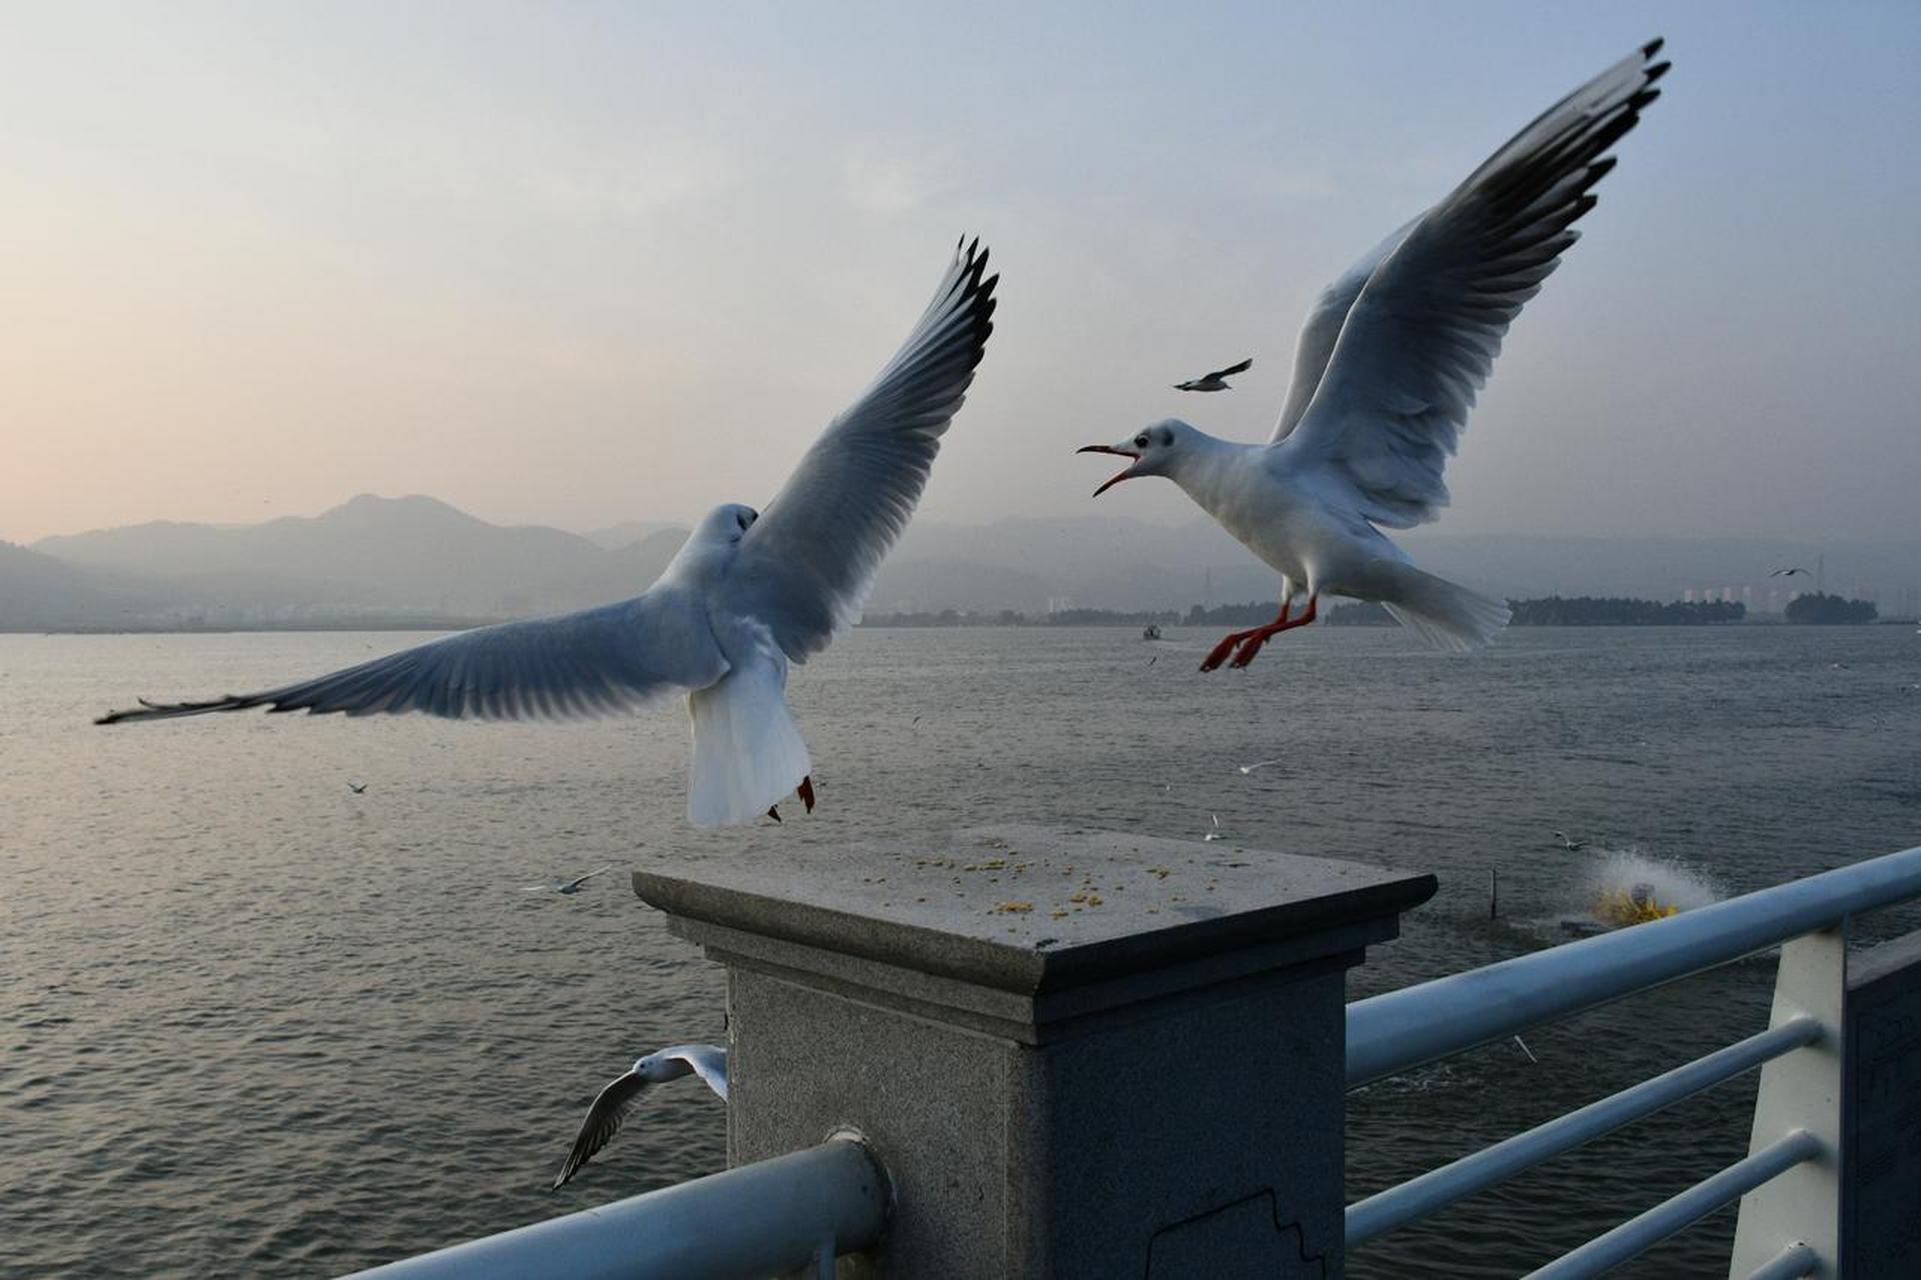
763	1219
1683	1210
1392	1032
1389	1033
1438	1188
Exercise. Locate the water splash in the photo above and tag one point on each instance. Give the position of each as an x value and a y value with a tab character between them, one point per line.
1629	875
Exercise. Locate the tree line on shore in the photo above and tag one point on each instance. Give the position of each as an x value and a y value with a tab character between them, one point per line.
1546	611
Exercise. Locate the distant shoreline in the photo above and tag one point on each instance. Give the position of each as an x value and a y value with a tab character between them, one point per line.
890	624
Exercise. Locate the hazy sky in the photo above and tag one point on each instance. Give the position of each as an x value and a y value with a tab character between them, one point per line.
580	263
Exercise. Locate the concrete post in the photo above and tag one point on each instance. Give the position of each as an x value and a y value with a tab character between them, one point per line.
1076	1055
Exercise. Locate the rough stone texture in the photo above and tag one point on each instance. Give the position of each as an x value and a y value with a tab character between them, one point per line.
1077	1054
1881	1114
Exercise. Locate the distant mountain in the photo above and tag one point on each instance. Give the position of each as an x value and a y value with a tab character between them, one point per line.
38	592
628	532
418	558
412	555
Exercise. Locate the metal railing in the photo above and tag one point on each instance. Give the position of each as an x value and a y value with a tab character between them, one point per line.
1796	1131
770	1218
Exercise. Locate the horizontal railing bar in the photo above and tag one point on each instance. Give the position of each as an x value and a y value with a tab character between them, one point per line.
762	1219
1401	1029
1438	1188
1791	1263
1678	1212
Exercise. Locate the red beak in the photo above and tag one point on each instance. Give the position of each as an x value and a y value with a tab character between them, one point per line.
1127	474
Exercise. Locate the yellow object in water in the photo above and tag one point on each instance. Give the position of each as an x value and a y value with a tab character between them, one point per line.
1635	906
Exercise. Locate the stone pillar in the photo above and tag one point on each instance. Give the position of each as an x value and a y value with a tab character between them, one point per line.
1076	1054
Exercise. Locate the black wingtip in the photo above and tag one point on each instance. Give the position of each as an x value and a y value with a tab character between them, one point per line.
1653	46
1656	71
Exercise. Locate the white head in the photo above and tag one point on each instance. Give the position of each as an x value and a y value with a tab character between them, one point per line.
1157	451
711	546
657	1068
726	523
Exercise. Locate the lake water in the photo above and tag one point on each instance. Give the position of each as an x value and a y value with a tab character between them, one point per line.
251	1022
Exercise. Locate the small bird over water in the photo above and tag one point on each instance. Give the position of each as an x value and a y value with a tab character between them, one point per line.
1385	373
1215	381
747	594
358	788
1786	573
1570	844
567	886
610	1108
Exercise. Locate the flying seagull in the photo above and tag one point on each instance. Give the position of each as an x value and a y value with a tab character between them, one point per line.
1568	843
604	1118
747	594
1785	573
357	787
568	886
1215	381
1385	372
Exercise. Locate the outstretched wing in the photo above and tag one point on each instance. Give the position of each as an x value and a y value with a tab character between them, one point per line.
603	1121
805	566
1323	329
1242	367
594	662
709	1062
1421	332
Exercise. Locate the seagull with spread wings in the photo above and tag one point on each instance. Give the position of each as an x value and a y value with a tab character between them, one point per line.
747	594
1217	380
610	1108
1384	375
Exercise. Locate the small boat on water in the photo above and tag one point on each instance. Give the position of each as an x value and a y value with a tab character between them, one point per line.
1636	906
1151	631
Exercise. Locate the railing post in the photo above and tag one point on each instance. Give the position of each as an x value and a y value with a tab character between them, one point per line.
1800	1090
1076	1054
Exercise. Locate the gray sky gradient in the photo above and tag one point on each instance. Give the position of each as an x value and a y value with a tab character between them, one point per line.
585	263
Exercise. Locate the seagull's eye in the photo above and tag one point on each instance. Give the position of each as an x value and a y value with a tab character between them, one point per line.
1140	442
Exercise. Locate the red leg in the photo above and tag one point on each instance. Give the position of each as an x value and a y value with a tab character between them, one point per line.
1261	635
1218	654
806	791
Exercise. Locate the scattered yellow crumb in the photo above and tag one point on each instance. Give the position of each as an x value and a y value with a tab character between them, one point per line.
1006	908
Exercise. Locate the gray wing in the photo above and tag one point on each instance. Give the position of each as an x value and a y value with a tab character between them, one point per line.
602	1122
1231	369
1323	329
1420	336
805	566
709	1062
594	662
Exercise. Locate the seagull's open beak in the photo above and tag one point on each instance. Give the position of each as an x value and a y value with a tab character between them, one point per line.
1125	474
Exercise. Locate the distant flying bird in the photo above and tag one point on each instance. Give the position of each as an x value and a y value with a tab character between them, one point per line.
1215	381
1572	846
1258	764
356	787
1785	573
568	886
747	594
1215	834
610	1108
1384	374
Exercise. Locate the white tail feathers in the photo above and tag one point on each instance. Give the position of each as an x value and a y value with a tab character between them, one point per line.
1444	615
748	752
